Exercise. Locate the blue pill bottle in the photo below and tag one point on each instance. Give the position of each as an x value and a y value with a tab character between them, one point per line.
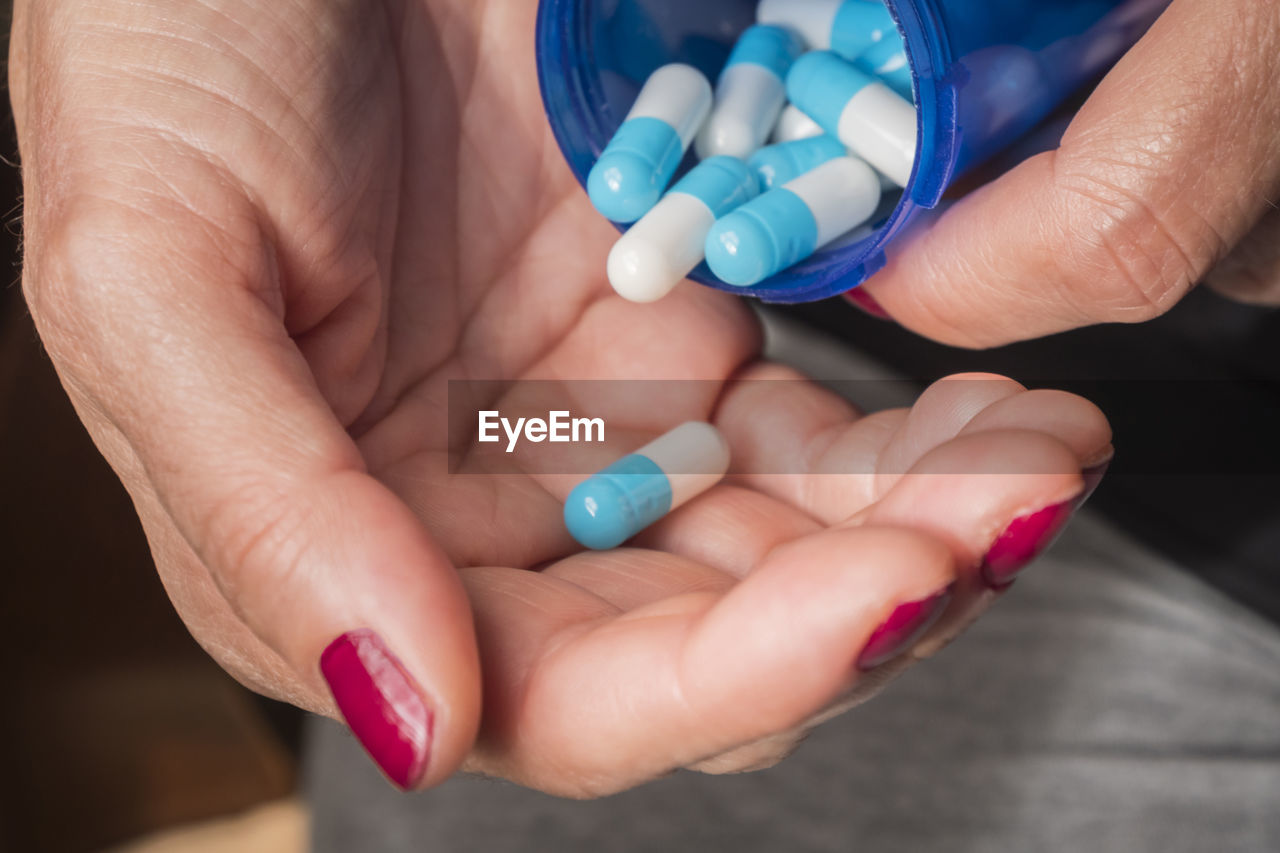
984	73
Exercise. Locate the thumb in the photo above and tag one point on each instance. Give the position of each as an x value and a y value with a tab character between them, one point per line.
161	330
1169	165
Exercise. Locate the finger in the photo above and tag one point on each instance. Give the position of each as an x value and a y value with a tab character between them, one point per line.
689	677
1069	418
190	362
998	499
729	528
1145	195
801	444
779	424
967	491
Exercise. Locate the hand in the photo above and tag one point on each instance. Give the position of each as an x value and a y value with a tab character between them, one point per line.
262	237
1167	177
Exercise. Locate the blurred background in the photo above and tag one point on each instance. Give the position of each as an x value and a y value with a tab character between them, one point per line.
117	725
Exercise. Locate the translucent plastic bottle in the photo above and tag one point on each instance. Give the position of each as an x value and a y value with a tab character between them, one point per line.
985	72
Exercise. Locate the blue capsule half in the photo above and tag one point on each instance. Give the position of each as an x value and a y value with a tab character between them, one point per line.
616	503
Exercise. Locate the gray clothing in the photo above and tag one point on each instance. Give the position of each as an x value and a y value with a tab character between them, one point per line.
1110	702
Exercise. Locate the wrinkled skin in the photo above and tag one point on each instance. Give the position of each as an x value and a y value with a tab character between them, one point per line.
262	237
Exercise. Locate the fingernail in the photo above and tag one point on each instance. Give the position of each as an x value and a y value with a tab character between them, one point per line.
861	299
899	632
381	704
1022	541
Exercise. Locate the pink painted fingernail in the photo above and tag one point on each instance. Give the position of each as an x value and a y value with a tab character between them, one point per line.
861	299
381	703
906	624
1022	541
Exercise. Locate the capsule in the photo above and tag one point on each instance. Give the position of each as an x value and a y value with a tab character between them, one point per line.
786	161
640	160
871	119
750	93
611	506
793	125
848	27
789	223
667	243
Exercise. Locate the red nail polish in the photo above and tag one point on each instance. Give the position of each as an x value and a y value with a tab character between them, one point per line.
861	299
381	703
1022	541
902	629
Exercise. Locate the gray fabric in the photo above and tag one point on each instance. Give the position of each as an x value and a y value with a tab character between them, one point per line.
1108	703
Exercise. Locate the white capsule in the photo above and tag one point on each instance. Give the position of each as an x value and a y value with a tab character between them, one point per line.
793	125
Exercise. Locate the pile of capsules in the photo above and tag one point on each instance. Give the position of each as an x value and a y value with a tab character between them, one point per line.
848	133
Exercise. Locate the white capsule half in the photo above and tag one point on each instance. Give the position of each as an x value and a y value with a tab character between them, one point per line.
694	456
812	19
793	125
667	243
750	93
871	119
841	194
661	249
880	126
677	94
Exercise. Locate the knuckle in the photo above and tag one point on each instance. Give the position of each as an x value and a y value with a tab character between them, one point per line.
1131	262
67	272
253	539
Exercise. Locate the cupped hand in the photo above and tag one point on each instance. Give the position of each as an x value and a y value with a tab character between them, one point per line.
261	238
1169	176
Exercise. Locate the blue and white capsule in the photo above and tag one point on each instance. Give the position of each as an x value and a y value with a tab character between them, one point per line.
750	93
666	244
849	27
640	160
611	506
872	120
789	223
778	164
